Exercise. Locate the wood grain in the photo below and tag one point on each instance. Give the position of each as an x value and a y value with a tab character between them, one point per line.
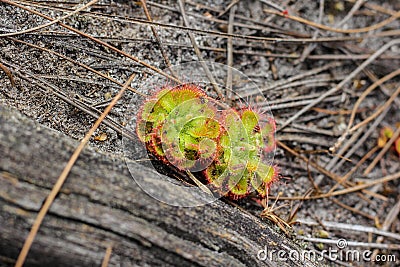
101	206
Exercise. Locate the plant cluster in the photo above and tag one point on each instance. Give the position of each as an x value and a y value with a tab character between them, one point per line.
183	127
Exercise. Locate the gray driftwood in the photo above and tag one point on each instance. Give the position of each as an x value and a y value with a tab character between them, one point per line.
100	205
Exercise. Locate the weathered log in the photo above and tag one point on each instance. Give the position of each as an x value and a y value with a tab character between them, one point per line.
100	205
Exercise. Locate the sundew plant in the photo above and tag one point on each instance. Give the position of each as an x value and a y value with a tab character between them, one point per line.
184	128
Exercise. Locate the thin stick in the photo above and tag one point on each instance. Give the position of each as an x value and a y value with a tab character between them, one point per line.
379	8
312	72
95	40
63	176
341	84
383	88
274	5
8	73
198	183
353	209
355	7
153	29
384	179
313	164
351	243
229	50
363	186
74	102
324	171
352	227
239	36
76	63
378	111
349	144
333	165
327	28
198	53
310	47
390	218
359	163
311	179
367	92
54	21
107	257
229	7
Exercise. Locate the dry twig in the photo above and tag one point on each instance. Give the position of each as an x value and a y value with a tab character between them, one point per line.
63	176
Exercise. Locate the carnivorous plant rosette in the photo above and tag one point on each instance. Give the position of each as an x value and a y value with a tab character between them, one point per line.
225	148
